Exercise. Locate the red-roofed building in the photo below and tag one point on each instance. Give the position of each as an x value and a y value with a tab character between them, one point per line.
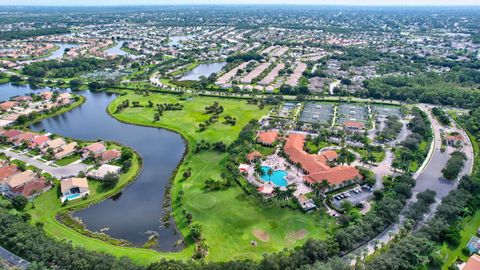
39	141
11	133
7	105
95	148
267	137
110	155
30	189
8	171
21	138
22	98
455	140
316	167
473	263
251	157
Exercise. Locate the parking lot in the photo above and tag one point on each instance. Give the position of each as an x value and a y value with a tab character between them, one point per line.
354	195
351	112
383	111
317	113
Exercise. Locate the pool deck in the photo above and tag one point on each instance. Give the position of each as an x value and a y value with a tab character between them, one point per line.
294	175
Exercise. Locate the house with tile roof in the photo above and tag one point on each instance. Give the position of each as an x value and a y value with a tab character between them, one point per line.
267	138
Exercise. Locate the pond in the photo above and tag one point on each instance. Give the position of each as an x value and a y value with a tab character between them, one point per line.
117	49
135	213
58	54
202	70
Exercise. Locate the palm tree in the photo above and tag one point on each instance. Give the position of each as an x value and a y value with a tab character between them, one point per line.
324	185
270	173
290	190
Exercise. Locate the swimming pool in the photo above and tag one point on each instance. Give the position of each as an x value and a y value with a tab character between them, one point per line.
73	196
278	177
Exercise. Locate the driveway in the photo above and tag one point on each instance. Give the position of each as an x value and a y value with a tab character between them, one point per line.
57	172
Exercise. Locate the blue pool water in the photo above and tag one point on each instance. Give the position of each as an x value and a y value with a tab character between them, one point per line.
73	196
278	177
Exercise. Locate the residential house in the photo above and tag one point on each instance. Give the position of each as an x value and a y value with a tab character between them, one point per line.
94	149
16	181
103	170
54	144
22	138
39	141
267	138
22	99
46	95
30	189
11	134
73	188
7	171
8	105
110	155
66	150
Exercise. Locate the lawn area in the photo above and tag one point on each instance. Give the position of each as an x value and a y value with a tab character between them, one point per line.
230	218
67	160
48	205
470	226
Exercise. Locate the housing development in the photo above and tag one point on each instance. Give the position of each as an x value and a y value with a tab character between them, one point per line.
239	137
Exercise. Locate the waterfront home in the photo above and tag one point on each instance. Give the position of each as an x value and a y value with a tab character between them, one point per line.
103	170
110	155
46	95
94	149
66	150
73	188
22	98
267	138
54	144
7	105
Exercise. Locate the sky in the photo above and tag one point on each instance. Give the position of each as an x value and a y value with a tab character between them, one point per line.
190	2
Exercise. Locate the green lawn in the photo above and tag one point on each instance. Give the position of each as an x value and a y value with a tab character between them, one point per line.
48	205
67	160
229	217
470	226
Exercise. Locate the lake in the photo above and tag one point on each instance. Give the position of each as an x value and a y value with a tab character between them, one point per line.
58	54
135	213
202	70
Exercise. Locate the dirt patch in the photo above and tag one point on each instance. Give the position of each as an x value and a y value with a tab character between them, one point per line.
261	235
293	236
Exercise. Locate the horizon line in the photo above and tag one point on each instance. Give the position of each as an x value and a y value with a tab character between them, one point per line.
240	4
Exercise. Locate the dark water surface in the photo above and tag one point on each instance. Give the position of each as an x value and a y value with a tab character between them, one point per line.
137	211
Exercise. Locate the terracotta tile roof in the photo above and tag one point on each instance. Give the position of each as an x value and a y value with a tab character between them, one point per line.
39	140
69	183
457	137
110	155
27	136
11	133
8	171
267	137
473	263
95	147
8	105
21	179
31	187
253	155
316	166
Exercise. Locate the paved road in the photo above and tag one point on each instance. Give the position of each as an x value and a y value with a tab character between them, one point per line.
429	178
57	172
13	259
